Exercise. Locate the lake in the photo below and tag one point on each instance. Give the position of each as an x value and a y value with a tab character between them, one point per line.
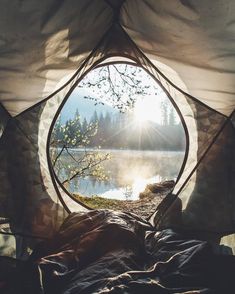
129	171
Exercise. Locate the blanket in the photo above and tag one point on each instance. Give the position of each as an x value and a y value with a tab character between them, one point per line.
103	251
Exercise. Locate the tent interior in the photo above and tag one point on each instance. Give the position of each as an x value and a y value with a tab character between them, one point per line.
46	49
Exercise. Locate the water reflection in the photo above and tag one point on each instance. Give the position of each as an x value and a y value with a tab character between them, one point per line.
129	172
131	192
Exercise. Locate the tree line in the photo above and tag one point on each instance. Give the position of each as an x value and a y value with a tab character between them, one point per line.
120	131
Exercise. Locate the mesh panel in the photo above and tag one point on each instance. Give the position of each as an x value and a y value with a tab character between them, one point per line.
4	182
210	206
4	117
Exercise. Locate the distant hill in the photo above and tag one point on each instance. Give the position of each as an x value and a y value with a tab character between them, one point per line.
86	107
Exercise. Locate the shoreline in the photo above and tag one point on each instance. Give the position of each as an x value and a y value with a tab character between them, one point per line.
147	203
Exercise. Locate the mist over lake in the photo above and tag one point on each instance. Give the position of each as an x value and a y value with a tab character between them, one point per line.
128	171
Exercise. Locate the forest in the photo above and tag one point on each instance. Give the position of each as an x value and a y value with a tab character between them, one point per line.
120	131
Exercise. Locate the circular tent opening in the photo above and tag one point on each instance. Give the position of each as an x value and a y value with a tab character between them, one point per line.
118	142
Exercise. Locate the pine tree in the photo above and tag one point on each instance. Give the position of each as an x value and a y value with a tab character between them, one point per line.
84	125
94	118
172	120
164	112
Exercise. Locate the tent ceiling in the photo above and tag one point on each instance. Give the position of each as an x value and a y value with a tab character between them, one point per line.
195	38
43	41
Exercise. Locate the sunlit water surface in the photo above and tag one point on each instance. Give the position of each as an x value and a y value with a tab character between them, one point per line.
129	172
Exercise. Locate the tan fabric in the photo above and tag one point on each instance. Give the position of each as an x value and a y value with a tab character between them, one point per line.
195	38
43	41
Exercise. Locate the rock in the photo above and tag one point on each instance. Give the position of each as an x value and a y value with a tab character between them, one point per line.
160	187
157	188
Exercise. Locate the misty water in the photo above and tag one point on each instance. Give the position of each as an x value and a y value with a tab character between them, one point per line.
128	171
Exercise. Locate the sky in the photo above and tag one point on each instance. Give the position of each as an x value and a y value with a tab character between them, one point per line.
86	107
146	108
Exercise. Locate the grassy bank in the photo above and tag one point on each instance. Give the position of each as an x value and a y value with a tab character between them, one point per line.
146	205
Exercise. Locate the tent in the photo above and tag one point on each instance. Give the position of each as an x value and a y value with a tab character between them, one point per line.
46	48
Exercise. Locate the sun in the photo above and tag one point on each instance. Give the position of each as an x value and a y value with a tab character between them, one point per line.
147	109
141	114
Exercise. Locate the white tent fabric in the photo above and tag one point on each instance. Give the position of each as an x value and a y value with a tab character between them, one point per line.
41	42
195	37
